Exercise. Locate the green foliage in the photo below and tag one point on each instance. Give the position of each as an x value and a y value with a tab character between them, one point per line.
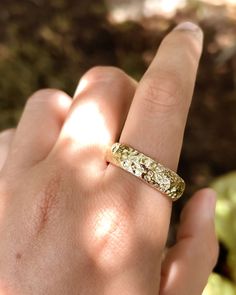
226	209
225	187
218	285
226	216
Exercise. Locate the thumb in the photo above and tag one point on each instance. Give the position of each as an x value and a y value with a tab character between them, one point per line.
189	262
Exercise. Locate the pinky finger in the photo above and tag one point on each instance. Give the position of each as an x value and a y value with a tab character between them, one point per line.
188	264
5	142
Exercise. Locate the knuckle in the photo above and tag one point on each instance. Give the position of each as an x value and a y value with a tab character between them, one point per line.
52	98
162	91
49	95
101	73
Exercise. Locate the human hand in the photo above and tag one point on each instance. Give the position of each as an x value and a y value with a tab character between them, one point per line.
73	224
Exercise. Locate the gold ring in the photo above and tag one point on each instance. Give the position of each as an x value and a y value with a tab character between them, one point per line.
147	169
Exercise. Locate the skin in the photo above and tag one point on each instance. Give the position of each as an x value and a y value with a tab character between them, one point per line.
71	223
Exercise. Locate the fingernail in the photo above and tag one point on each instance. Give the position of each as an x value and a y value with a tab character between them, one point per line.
192	28
187	26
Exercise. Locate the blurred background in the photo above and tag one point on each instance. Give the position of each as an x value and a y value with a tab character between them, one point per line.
51	43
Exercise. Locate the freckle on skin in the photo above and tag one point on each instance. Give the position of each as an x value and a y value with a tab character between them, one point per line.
18	256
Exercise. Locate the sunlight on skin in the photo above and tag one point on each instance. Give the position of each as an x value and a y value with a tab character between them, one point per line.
172	274
94	132
81	86
62	102
84	136
107	238
105	224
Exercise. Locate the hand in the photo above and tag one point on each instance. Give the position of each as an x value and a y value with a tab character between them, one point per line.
72	224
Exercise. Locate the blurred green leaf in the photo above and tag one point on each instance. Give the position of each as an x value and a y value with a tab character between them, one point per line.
218	285
225	187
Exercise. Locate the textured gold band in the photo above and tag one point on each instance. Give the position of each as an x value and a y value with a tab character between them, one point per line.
148	170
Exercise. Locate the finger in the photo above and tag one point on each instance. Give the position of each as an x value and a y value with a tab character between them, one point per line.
39	126
157	116
97	114
5	142
189	263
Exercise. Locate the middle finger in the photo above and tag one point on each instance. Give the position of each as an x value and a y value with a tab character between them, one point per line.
97	115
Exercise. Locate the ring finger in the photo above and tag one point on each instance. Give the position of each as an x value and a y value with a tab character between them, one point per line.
157	117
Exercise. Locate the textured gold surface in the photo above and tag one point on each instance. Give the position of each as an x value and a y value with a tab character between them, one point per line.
148	170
